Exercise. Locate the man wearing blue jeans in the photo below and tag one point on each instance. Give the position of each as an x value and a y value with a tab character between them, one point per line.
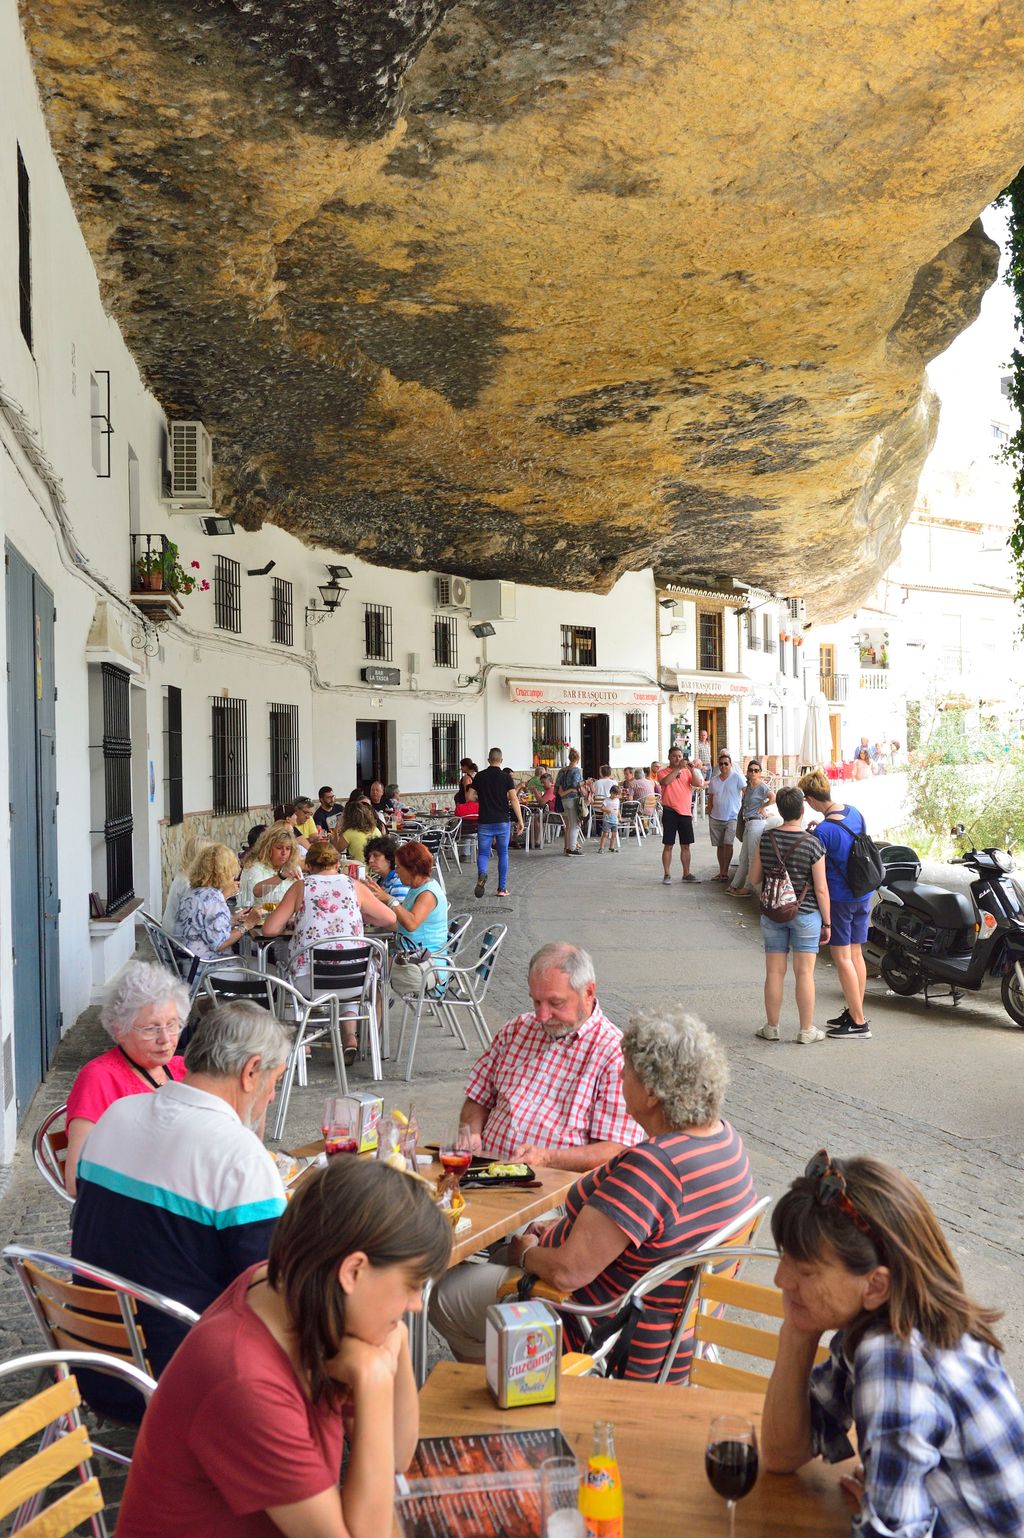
496	794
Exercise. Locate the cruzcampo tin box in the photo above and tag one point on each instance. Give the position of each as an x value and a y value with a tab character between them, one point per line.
523	1352
371	1109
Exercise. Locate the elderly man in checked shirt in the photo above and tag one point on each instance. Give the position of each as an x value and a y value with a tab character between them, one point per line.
548	1090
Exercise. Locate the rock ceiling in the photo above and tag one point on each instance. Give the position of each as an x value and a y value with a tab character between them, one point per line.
548	289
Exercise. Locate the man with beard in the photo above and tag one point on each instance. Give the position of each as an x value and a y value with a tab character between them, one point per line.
548	1090
176	1192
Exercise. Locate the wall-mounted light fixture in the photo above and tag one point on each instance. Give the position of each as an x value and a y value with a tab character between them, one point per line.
482	631
261	571
216	525
331	594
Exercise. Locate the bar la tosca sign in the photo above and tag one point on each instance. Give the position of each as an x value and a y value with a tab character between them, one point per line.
587	696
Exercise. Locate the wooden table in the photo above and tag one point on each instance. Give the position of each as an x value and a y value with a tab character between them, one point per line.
659	1437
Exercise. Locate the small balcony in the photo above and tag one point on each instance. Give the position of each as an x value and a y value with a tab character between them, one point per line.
874	678
834	686
153	578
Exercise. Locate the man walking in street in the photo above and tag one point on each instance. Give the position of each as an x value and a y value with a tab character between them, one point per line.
677	785
837	829
725	794
704	752
496	793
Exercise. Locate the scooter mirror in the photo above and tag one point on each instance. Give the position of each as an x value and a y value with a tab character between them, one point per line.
958	830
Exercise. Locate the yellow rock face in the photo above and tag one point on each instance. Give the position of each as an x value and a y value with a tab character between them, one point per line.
547	290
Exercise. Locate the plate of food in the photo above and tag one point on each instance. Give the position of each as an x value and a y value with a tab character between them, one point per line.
499	1172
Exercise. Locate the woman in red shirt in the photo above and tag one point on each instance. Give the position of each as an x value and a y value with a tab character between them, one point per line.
244	1436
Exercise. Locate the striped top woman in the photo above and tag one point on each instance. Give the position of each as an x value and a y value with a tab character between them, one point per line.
688	1178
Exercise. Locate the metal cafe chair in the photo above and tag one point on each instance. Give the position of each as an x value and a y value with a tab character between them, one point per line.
180	958
85	1307
467	985
630	823
49	1150
609	1326
65	1447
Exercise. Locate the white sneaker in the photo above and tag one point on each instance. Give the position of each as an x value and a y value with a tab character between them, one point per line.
768	1033
806	1038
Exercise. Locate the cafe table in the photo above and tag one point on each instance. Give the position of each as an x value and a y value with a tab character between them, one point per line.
660	1435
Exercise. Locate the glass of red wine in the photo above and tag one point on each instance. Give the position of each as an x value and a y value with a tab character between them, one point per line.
730	1461
456	1155
338	1125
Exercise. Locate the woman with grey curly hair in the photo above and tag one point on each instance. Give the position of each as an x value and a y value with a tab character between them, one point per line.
670	1193
144	1012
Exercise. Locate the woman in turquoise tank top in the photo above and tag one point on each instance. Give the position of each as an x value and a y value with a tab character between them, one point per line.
422	917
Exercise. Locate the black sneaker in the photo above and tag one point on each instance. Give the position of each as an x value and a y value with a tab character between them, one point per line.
478	890
839	1019
850	1032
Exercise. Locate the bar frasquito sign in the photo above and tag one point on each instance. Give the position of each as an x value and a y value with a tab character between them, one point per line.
583	696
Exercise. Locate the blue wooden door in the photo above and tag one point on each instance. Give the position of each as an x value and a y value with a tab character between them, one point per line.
33	800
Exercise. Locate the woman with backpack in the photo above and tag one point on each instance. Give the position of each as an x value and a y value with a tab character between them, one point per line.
796	915
568	788
839	829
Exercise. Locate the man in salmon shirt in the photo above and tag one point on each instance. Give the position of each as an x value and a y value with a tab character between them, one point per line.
678	783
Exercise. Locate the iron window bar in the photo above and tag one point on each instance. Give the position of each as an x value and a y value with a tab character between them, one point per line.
377	632
24	250
227	593
447	748
710	641
636	726
230	756
281	612
173	799
446	641
579	646
550	736
284	753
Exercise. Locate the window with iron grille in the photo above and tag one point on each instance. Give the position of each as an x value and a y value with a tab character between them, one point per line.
377	632
636	726
24	250
753	637
579	646
447	747
284	753
117	786
230	756
768	626
173	803
709	641
281	625
227	593
793	605
446	641
550	736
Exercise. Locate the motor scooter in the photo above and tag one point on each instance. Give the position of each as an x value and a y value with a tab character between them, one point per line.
928	939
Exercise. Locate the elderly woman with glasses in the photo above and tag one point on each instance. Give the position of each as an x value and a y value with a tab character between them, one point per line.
914	1364
663	1197
144	1012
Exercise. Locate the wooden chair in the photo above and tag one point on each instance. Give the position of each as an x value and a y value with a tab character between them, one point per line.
49	1150
89	1308
717	1291
65	1446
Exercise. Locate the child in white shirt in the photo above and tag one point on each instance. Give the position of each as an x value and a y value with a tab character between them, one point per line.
610	821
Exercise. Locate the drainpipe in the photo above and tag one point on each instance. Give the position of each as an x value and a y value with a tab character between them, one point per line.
657	673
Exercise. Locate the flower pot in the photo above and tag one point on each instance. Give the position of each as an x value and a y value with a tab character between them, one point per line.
151	581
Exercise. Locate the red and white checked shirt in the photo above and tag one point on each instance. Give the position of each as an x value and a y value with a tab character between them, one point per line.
553	1093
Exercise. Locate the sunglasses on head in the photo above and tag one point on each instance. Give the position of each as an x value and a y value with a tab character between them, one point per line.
831	1191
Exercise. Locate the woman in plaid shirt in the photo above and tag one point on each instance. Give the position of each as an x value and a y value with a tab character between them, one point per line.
914	1364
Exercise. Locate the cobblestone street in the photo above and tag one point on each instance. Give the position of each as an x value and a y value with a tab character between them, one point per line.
934	1091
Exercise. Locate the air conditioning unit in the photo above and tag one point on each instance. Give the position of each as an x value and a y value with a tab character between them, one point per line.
189	464
494	600
453	592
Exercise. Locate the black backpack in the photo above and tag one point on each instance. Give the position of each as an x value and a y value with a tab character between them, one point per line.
864	869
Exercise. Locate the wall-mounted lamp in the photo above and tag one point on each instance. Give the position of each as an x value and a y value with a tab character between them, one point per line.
331	594
217	525
482	631
261	571
667	603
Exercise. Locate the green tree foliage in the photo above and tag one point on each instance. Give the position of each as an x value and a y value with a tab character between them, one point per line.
964	776
1012	202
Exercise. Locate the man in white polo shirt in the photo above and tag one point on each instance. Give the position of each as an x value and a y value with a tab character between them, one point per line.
175	1190
725	796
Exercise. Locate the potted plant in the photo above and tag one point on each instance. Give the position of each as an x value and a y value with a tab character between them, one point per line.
176	578
149	571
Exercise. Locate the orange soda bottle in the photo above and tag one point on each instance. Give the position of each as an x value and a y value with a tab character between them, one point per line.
601	1490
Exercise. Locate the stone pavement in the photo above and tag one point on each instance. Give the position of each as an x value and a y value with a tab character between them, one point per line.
935	1091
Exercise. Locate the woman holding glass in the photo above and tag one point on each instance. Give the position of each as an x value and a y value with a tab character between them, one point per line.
270	867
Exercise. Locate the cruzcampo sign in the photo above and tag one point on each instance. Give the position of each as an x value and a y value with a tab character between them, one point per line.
583	696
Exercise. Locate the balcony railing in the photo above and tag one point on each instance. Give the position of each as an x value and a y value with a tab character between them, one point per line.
834	686
874	678
153	567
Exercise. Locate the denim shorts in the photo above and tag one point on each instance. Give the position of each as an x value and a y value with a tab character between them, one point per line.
800	934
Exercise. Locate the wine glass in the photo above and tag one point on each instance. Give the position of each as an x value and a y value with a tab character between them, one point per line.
456	1154
730	1460
561	1516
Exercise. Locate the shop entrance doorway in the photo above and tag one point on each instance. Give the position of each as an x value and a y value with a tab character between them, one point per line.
372	754
593	745
712	720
